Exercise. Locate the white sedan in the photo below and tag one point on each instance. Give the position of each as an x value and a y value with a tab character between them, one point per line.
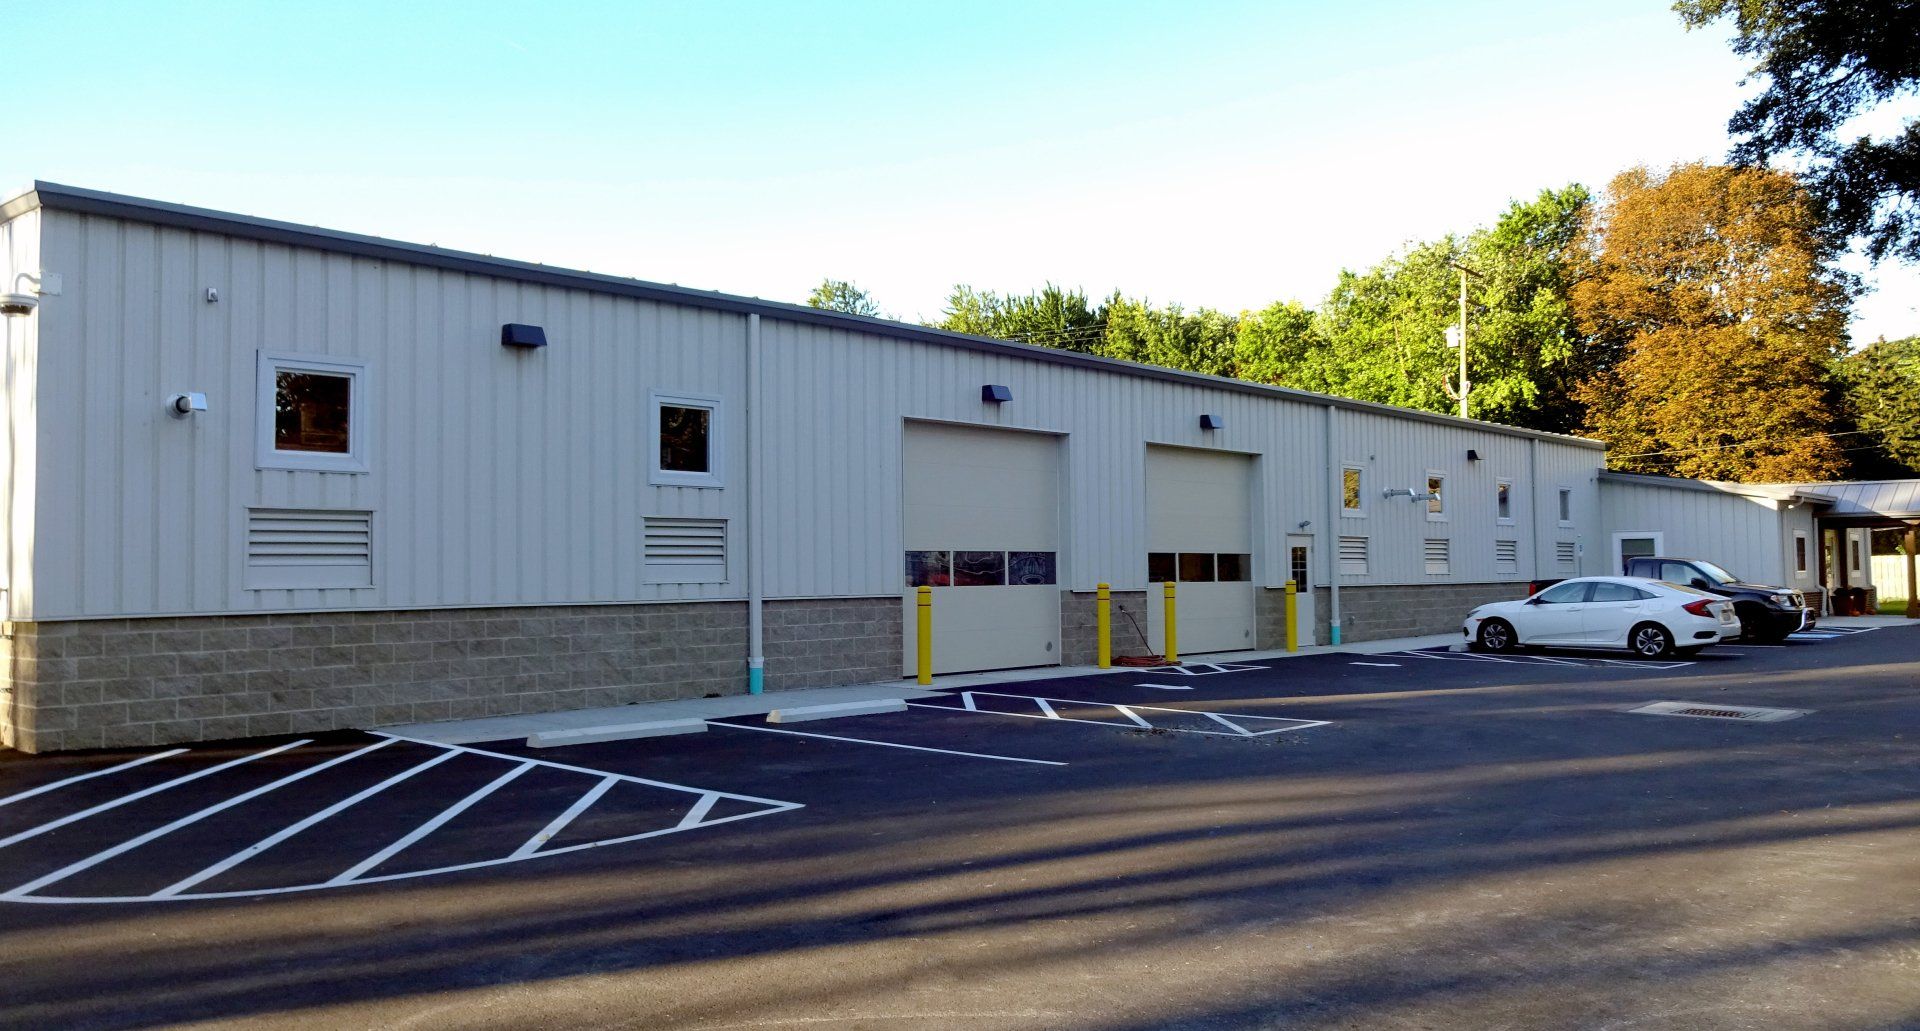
1651	618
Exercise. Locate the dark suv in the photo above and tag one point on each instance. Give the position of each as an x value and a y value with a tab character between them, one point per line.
1766	613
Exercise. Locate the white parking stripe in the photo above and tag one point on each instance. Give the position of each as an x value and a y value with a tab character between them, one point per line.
559	823
159	832
44	788
888	744
698	812
1124	711
552	765
431	825
136	796
287	832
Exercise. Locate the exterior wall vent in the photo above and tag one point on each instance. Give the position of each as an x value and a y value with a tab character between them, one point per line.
1353	556
1565	551
686	551
1506	556
1439	555
308	548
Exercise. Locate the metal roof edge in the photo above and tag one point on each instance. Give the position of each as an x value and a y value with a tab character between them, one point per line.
1770	491
76	199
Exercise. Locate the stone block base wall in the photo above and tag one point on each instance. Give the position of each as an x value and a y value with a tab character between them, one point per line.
131	682
1270	618
1414	610
1079	627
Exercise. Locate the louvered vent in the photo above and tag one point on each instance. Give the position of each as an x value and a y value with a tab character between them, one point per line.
1353	555
1439	555
296	548
1506	556
686	551
1564	551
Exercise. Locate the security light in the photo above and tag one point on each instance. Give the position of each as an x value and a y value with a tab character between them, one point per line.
1212	422
514	334
995	394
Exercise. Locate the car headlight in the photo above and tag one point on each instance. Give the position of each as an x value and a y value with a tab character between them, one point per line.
1785	601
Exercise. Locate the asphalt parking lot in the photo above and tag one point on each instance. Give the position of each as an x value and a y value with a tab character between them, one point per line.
1412	839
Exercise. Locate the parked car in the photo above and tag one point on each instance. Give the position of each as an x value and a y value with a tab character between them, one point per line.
1765	613
1650	618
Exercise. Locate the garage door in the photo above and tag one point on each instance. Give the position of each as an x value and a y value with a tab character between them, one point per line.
1200	534
982	529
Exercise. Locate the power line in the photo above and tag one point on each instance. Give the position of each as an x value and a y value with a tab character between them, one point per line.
1744	443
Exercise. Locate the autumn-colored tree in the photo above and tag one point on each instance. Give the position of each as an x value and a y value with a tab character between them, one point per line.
1713	290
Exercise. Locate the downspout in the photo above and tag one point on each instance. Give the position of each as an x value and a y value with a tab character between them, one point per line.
1533	502
1332	547
756	656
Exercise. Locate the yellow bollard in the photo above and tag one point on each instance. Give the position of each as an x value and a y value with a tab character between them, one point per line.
924	634
1172	627
1293	616
1103	624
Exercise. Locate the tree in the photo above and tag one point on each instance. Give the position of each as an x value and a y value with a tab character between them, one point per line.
1278	344
841	295
1882	385
1169	337
1714	288
1823	63
1049	317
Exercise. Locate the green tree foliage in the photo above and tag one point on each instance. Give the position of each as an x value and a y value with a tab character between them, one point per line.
1278	344
841	295
1049	317
1882	385
1715	287
1201	342
1824	62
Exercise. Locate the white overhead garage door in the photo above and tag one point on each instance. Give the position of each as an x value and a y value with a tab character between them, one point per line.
982	529
1200	534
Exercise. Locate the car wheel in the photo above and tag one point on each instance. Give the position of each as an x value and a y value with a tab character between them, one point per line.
1496	635
1650	641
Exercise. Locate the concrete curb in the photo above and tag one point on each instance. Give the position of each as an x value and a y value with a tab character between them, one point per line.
617	732
803	713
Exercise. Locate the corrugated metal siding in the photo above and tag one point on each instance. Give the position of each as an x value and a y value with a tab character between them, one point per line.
504	477
497	477
19	252
1746	535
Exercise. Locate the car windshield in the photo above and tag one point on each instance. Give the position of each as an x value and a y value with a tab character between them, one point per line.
1715	573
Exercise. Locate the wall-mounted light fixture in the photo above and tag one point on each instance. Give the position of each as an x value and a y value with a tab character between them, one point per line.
515	334
995	394
212	295
1212	422
1303	524
183	405
18	302
1472	455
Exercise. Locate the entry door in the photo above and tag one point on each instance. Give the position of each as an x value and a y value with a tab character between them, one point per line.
1200	534
1300	571
982	526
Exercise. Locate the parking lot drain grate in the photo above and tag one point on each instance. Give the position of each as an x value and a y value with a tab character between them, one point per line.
1748	713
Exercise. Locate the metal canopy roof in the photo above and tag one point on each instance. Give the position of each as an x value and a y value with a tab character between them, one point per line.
72	198
1869	499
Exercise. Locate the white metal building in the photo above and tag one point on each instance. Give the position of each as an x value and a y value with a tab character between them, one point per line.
428	484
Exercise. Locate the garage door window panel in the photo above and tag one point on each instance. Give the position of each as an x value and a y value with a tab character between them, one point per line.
1032	568
929	569
979	569
1162	566
1233	569
1196	567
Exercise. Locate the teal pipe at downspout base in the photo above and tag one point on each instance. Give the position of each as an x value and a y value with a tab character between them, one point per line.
1334	631
756	677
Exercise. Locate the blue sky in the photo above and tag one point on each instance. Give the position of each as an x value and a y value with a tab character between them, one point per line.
1224	155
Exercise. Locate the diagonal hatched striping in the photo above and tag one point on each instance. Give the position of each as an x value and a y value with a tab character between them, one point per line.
700	804
1125	717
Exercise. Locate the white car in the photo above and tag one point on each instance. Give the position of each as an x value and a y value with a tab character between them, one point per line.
1651	618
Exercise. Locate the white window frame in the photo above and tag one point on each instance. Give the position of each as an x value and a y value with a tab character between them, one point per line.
715	476
1503	520
1618	568
1442	515
1802	555
268	366
1564	493
1361	471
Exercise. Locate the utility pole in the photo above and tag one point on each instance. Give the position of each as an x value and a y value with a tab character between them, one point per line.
1457	338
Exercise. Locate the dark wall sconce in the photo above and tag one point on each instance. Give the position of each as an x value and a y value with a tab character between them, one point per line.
1212	422
514	334
1472	455
995	394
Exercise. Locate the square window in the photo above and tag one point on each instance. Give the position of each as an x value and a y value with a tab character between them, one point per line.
1350	496
686	438
1162	566
311	413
